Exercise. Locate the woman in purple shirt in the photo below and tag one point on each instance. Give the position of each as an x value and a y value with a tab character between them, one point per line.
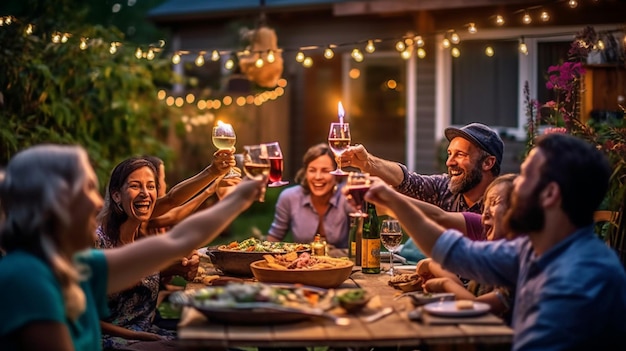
316	205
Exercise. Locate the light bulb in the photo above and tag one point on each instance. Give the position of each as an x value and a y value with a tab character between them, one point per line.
455	52
150	54
545	16
270	56
499	20
370	48
400	46
199	60
419	41
445	43
29	29
489	51
259	62
300	56
472	28
308	62
83	43
138	53
176	58
406	54
229	64
328	53
421	53
523	48
600	45
454	38
527	19
572	3
215	55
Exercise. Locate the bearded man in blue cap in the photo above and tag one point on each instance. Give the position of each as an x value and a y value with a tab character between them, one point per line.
474	159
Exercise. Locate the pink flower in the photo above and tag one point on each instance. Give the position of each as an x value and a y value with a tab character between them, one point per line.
553	130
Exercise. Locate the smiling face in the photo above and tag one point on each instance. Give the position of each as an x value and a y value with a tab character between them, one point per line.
320	181
464	165
138	194
495	207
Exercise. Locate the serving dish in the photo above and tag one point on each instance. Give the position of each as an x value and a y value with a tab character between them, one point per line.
235	258
254	303
322	277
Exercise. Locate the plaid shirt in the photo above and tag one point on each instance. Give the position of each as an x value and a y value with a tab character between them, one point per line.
434	189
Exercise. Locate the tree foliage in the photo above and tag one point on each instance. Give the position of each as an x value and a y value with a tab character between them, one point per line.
59	93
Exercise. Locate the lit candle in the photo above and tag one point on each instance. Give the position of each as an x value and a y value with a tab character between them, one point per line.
341	112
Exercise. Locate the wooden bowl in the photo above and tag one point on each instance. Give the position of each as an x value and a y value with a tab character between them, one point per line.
237	263
324	278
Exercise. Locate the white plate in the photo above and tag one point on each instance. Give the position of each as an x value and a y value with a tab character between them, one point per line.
405	267
448	309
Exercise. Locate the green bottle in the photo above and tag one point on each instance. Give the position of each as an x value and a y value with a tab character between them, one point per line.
370	244
356	236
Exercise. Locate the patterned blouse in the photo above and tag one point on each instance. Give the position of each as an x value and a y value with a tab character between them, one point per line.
133	308
434	189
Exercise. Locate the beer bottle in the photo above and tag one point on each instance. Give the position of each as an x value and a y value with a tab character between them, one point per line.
356	235
370	244
318	247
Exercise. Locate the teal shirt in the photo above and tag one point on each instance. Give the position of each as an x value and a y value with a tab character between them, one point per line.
29	292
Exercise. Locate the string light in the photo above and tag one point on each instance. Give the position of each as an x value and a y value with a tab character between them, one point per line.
445	43
545	16
259	62
421	53
200	59
419	41
229	64
270	56
308	62
454	38
138	53
29	29
455	52
472	28
83	43
300	56
522	47
489	51
150	55
572	3
215	56
328	53
499	20
400	46
600	45
406	54
370	48
526	19
176	58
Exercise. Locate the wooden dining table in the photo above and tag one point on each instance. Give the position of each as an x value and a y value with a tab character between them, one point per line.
396	330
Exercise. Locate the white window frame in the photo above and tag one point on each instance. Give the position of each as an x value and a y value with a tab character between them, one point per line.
527	69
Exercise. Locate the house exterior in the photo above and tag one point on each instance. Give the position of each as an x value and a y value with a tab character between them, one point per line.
397	106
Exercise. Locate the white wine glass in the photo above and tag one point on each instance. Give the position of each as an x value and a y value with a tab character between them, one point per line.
223	136
391	238
256	164
276	165
339	141
357	185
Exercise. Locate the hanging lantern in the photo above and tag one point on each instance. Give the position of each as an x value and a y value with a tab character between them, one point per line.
262	42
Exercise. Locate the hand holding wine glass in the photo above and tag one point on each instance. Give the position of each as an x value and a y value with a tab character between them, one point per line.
223	136
256	163
276	165
339	141
391	237
356	186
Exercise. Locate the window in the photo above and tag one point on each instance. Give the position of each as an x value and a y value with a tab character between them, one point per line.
485	89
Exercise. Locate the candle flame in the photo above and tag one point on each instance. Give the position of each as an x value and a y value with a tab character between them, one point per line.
220	123
341	112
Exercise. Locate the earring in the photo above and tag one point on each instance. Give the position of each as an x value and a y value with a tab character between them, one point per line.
119	206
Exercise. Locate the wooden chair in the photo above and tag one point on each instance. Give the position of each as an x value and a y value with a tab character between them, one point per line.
606	216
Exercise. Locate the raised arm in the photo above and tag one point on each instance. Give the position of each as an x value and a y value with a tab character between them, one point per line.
177	214
357	156
129	263
185	190
422	229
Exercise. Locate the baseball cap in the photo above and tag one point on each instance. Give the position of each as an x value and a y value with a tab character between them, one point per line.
480	135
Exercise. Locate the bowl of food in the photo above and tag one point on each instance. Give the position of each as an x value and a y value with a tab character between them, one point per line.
320	271
235	258
353	300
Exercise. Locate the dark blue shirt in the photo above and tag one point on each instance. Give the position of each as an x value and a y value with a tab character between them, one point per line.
573	297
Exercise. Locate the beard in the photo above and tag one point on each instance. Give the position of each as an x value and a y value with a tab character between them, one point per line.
525	215
467	181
